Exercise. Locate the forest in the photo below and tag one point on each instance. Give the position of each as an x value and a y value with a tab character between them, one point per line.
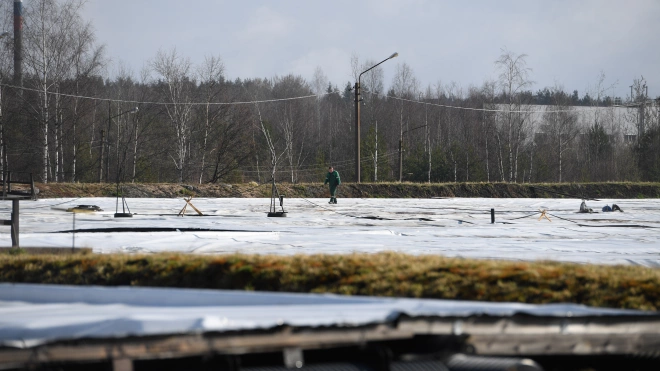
66	120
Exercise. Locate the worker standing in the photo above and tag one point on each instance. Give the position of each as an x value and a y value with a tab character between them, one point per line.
332	178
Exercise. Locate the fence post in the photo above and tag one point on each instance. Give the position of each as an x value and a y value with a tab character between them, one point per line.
14	223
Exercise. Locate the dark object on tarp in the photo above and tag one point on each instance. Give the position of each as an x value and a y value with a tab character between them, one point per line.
614	207
84	209
584	208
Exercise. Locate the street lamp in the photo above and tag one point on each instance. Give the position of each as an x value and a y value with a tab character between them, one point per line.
357	116
401	151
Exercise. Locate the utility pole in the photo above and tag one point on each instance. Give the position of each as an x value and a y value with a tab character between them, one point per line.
107	143
357	131
101	157
18	43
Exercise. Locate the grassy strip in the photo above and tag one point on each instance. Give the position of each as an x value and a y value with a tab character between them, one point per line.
625	190
384	274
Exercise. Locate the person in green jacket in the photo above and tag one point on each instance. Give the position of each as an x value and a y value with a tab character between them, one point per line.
332	178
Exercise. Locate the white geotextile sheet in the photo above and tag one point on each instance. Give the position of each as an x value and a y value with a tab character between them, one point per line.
457	227
32	314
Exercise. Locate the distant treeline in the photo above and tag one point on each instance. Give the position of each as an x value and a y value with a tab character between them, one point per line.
66	120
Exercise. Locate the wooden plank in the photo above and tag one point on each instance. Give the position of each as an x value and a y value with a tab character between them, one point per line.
191	345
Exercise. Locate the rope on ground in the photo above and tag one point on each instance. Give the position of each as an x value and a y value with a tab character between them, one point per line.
559	217
522	217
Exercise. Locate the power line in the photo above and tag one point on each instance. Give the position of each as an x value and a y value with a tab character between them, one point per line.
280	100
165	103
474	109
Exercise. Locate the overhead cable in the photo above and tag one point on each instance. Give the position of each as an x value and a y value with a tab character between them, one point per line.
165	103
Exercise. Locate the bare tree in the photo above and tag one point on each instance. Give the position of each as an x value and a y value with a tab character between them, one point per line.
6	49
319	85
270	143
406	87
513	79
174	70
560	122
372	86
87	62
293	118
49	48
211	76
488	122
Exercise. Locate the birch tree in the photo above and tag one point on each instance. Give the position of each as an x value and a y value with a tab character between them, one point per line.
175	87
294	119
87	63
6	48
49	42
560	122
405	86
319	85
372	87
513	80
211	76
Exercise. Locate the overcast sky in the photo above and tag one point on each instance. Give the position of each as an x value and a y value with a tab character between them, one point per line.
568	42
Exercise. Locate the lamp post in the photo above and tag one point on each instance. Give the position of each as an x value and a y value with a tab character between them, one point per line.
401	151
357	116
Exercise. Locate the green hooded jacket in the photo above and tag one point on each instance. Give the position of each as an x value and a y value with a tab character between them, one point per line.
333	179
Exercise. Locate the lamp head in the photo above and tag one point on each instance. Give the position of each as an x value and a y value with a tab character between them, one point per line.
394	55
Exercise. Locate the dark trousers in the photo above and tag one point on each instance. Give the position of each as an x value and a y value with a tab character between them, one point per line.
333	191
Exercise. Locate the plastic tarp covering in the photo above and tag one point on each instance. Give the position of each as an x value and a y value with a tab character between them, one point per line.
456	227
32	314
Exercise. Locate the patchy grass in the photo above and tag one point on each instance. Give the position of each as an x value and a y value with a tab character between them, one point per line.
384	274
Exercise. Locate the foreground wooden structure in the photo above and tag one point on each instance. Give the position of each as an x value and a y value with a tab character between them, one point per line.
24	191
608	342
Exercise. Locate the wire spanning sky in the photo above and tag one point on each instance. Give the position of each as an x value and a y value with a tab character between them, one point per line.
568	42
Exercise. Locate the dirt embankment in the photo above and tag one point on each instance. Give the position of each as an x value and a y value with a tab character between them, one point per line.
363	190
